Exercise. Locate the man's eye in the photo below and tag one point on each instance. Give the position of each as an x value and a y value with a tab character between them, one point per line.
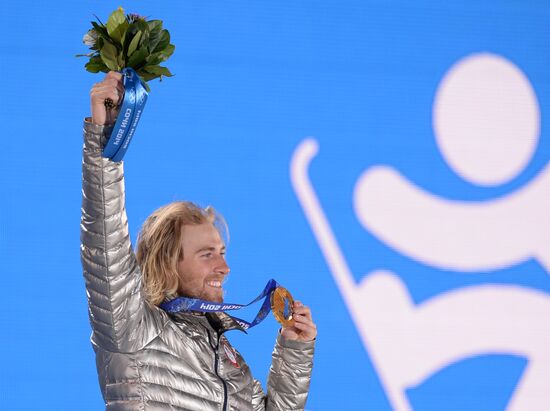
207	255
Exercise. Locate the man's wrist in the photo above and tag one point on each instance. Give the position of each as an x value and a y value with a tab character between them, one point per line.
294	344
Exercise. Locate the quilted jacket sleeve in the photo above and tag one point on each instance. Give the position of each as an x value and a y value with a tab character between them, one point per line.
120	318
289	377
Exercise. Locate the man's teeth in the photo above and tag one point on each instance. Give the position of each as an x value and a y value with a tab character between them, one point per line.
217	284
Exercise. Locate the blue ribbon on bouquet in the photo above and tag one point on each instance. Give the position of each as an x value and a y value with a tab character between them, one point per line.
135	97
185	304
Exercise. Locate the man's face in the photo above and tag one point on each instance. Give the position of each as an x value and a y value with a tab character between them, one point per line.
203	267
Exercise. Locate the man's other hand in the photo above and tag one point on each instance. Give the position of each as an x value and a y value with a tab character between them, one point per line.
304	328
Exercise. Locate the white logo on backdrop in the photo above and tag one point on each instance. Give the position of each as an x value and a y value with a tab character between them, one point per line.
487	122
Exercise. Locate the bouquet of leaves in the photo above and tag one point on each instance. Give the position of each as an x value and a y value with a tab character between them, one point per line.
128	41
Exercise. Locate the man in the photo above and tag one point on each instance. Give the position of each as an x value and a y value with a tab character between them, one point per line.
146	358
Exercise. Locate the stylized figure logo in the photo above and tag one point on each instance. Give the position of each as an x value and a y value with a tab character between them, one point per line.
486	121
487	134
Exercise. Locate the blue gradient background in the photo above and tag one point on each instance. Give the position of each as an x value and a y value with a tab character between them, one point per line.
252	80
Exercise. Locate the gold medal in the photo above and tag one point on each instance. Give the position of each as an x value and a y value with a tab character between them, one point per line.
281	305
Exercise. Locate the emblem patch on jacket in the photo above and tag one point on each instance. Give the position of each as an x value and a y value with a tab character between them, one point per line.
230	353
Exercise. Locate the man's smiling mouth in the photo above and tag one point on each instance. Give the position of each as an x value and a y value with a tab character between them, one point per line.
215	284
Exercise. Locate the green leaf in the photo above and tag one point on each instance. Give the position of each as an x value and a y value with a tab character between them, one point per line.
126	40
85	55
161	71
142	25
109	55
168	51
157	58
121	31
95	65
117	24
129	35
160	56
103	37
152	41
101	30
137	59
96	59
144	28
134	43
123	39
155	25
154	59
163	41
96	68
120	62
146	76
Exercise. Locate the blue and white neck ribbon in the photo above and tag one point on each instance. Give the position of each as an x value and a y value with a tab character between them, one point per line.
135	97
186	304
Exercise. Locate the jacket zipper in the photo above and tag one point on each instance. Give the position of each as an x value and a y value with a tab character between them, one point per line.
216	364
223	382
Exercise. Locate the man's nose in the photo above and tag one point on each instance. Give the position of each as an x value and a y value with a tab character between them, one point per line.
223	268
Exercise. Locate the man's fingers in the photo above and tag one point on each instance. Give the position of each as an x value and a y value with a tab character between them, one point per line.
101	92
306	331
300	309
304	317
305	326
114	75
110	87
101	96
303	329
120	89
304	321
112	82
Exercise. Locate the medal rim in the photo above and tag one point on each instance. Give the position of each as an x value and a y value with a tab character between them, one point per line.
276	309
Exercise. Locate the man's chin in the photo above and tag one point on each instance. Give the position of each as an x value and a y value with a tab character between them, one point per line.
215	296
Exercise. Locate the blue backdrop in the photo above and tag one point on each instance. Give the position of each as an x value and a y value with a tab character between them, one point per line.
253	80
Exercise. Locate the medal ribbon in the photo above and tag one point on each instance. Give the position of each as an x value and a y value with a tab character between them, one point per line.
183	304
135	97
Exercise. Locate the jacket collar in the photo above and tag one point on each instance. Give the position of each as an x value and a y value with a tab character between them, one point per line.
218	321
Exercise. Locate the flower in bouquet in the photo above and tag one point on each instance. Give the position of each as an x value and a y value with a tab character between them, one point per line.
129	41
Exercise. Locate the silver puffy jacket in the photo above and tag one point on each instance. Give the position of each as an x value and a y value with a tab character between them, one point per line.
146	359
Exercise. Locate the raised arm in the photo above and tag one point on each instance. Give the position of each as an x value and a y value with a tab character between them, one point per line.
120	318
